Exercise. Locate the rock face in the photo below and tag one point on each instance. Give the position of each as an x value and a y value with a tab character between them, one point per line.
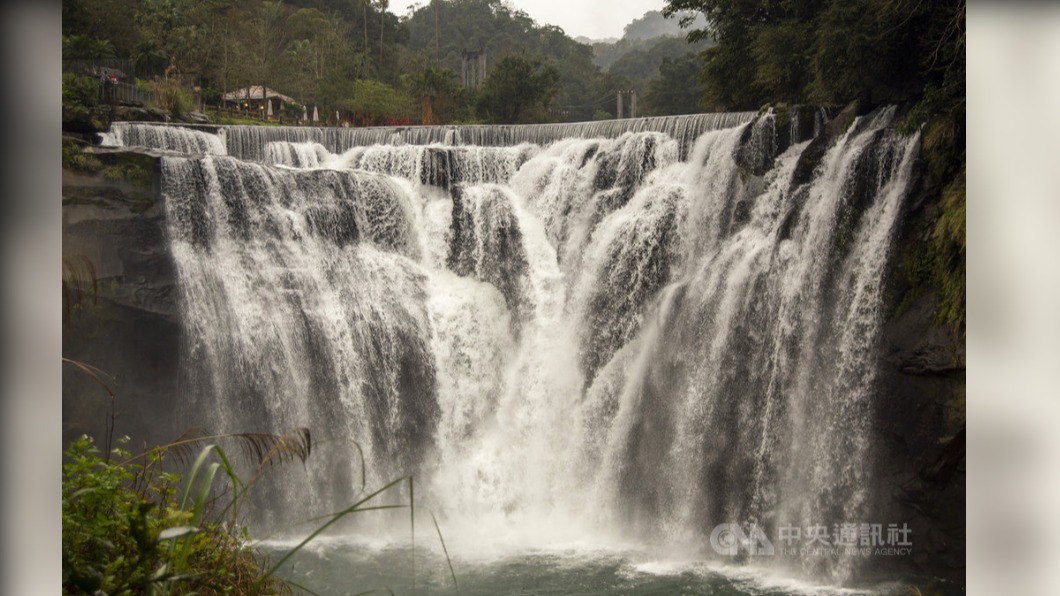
920	413
128	327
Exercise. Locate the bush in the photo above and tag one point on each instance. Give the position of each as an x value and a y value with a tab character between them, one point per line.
174	98
124	532
293	111
80	89
212	96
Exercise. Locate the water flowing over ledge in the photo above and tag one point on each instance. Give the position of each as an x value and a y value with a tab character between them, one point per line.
249	142
637	329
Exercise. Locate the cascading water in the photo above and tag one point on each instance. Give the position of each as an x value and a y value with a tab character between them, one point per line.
630	336
164	138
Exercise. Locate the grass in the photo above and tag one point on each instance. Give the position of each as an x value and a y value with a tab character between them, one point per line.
224	117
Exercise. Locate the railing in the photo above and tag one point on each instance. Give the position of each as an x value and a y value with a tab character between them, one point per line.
128	93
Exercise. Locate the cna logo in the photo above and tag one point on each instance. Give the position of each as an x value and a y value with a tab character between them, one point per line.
730	539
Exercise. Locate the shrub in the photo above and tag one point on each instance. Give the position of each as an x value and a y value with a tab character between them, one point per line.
124	531
80	89
293	111
173	97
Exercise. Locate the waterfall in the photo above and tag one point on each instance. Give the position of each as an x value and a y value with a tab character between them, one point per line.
611	328
163	138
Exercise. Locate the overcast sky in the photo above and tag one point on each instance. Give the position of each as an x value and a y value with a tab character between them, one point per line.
592	18
595	19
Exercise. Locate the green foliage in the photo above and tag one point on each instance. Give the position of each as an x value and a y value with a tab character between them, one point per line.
125	533
780	53
77	160
291	110
441	31
80	89
85	47
315	51
173	96
948	243
378	101
109	538
602	115
518	91
675	91
826	51
150	58
642	65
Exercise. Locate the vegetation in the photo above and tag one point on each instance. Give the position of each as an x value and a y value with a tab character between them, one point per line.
328	53
126	531
130	527
809	51
80	89
518	91
77	160
676	90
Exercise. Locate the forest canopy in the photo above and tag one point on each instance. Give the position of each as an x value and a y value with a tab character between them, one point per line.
330	53
737	54
829	51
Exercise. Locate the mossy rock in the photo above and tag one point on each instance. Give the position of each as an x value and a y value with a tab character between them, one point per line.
137	169
122	177
76	159
84	120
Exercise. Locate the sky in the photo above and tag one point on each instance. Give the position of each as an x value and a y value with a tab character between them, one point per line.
595	19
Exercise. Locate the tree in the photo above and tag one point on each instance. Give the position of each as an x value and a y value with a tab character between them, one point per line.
826	51
378	102
518	90
675	92
437	89
266	40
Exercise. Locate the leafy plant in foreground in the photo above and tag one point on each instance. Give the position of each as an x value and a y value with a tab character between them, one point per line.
129	527
125	531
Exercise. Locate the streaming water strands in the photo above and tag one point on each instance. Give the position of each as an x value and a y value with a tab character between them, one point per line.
178	139
594	336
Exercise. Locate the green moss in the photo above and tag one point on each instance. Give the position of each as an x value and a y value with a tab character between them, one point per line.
75	159
131	171
940	148
914	268
783	116
939	263
948	246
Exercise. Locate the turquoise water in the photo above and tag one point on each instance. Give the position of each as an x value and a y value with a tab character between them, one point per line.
336	567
